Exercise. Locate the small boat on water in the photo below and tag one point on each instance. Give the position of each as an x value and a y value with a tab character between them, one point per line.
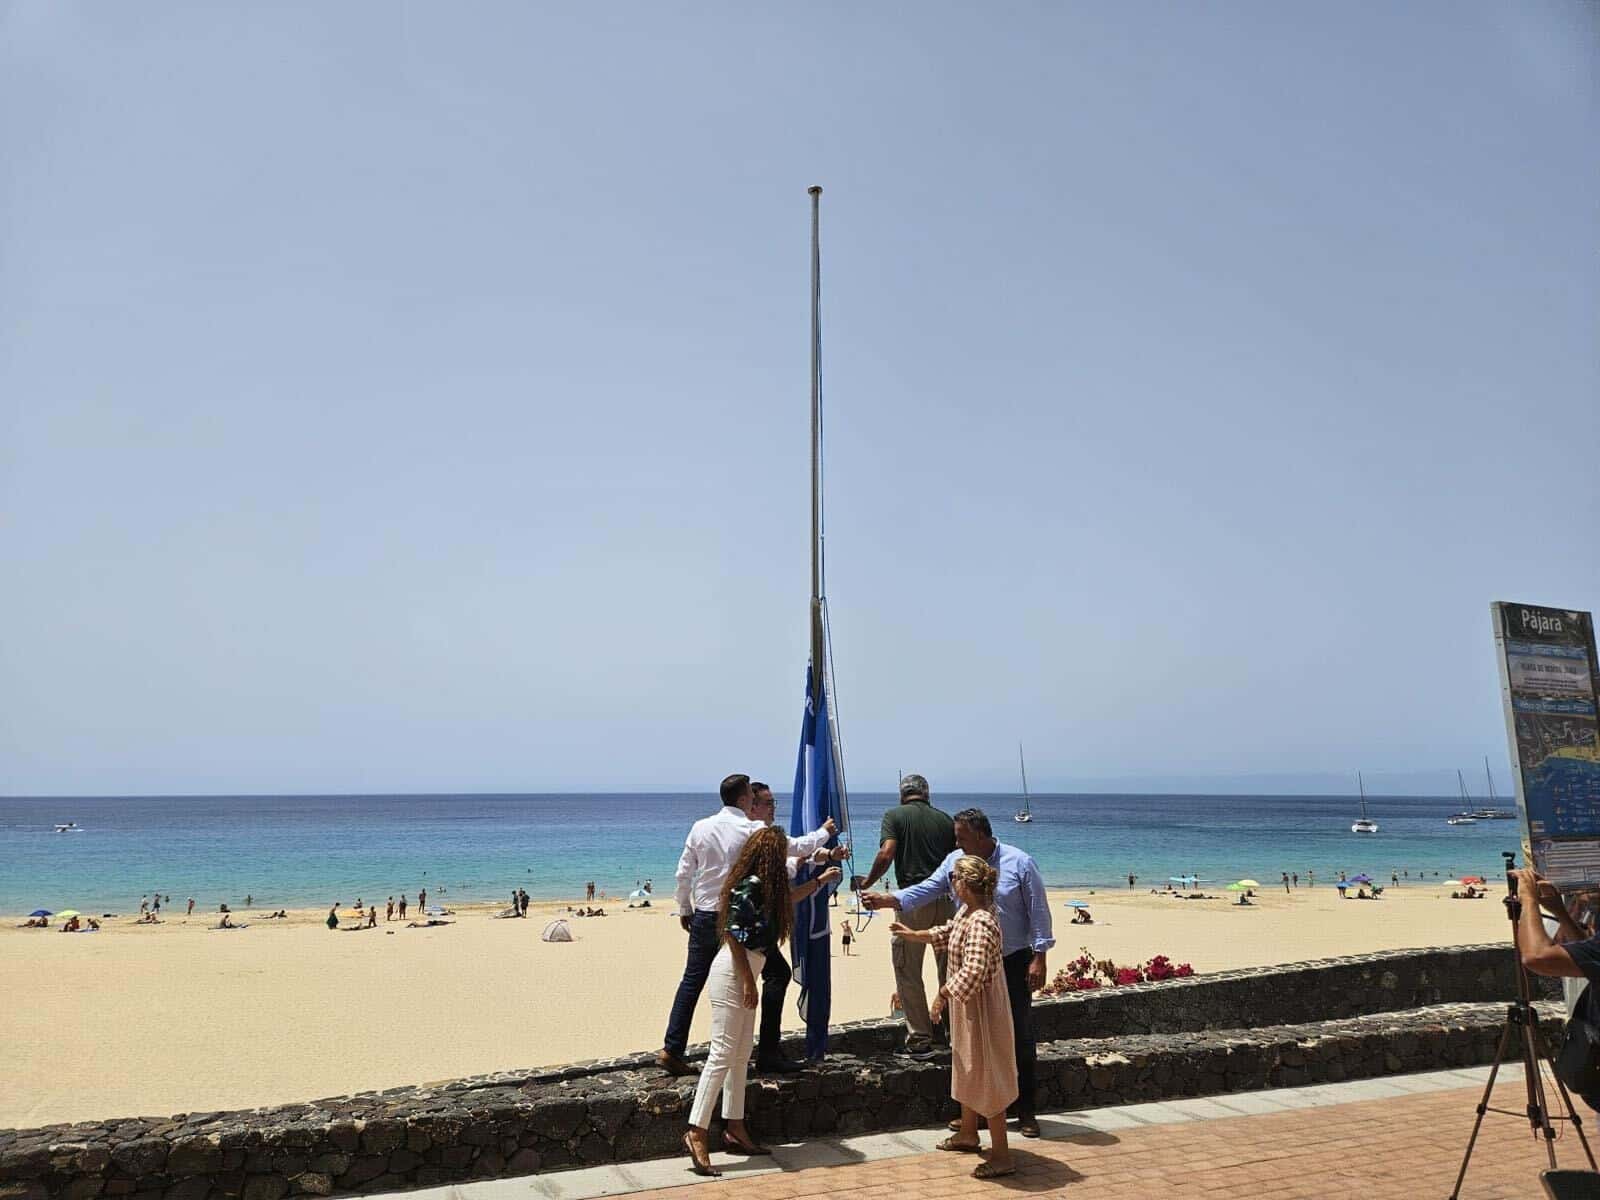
1463	817
1490	812
69	827
1365	824
1025	816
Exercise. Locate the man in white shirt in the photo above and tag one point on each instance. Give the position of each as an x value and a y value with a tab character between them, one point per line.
713	845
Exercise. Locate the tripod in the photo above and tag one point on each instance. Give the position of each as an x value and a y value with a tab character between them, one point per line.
1522	1024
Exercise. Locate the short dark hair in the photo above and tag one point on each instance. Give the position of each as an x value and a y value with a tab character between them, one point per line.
735	788
974	819
757	786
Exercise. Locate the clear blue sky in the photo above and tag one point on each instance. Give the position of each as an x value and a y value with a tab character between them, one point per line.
413	397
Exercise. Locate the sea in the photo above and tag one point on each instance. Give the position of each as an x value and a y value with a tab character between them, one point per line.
313	851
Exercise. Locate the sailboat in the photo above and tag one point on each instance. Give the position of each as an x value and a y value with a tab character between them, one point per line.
1463	817
1366	824
1489	812
1026	815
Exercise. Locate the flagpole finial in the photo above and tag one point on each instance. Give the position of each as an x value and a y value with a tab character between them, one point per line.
813	190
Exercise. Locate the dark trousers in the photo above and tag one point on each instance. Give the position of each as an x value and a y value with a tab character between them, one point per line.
703	945
775	978
1021	996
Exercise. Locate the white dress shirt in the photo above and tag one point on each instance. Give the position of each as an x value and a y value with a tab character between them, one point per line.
714	845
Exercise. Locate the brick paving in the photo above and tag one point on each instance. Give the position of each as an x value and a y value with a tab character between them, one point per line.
1407	1148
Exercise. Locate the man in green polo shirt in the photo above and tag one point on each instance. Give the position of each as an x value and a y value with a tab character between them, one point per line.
915	838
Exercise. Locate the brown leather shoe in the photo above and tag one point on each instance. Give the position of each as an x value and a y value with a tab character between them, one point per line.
1028	1126
672	1064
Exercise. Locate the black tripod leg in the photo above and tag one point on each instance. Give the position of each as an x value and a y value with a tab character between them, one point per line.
1577	1121
1538	1110
1483	1107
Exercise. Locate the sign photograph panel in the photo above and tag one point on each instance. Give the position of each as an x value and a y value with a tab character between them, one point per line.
1549	687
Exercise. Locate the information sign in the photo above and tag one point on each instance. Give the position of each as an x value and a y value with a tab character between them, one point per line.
1549	686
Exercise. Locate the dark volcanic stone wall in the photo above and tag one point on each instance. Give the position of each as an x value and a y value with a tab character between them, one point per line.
1278	1027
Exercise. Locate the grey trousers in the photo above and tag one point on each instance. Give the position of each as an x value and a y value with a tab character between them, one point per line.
907	959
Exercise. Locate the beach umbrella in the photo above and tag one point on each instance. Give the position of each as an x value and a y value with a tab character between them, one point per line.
1473	879
1238	887
1180	878
1249	883
41	912
1360	879
1077	904
67	912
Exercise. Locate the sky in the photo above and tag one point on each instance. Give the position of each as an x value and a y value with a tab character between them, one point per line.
405	397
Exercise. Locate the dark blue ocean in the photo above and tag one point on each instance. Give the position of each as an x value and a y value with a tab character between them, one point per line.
316	850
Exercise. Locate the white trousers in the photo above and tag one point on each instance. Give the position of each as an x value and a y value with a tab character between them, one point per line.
733	1033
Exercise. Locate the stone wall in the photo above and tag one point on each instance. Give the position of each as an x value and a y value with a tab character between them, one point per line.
1205	1035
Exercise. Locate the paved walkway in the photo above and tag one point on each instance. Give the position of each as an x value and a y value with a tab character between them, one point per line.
1399	1137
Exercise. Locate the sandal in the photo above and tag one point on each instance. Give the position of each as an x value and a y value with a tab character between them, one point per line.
954	1124
734	1146
700	1168
956	1147
987	1170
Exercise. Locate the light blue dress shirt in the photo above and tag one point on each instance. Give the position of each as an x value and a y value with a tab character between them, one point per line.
1019	901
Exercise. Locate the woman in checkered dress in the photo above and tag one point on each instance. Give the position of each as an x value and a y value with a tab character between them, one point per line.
983	1069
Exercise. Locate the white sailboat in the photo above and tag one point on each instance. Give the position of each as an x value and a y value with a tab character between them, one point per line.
1464	817
1026	815
1366	824
1489	812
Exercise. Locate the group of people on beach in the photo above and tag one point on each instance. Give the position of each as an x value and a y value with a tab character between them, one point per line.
979	903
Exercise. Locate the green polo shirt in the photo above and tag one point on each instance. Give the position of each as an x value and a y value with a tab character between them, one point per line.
923	838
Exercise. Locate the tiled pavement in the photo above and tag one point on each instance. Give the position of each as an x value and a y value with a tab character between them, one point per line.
1398	1137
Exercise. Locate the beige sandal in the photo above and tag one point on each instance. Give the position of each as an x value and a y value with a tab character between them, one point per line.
987	1170
956	1147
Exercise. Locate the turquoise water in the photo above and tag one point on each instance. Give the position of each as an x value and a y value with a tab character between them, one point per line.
315	850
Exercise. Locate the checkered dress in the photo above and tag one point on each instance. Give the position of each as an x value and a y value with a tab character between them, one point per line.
983	1068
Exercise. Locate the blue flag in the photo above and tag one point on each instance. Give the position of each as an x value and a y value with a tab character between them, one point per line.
816	798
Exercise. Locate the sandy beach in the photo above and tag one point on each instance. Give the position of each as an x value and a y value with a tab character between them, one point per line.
182	1017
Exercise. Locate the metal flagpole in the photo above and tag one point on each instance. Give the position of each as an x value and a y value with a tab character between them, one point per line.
821	656
817	661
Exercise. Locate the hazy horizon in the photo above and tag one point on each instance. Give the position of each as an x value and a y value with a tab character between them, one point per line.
398	397
1405	785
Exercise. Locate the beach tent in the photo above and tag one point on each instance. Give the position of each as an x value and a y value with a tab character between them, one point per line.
556	931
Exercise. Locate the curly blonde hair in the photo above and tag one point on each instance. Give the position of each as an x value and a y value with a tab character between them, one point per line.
766	854
977	876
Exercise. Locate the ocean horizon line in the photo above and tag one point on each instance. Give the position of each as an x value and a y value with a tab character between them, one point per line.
574	793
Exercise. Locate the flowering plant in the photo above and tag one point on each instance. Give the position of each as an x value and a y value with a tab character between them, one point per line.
1086	974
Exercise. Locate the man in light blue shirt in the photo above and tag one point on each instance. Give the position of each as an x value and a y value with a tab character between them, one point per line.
1024	916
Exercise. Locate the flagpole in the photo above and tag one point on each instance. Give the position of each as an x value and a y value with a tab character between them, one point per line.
817	659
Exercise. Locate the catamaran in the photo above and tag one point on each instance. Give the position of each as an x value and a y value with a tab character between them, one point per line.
1490	812
1366	824
1026	815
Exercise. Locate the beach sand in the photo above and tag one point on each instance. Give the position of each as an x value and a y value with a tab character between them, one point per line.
181	1017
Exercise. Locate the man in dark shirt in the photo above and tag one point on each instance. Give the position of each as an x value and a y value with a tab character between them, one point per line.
916	838
1571	954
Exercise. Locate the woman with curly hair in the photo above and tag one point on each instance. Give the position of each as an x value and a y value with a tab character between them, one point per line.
983	1067
756	915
